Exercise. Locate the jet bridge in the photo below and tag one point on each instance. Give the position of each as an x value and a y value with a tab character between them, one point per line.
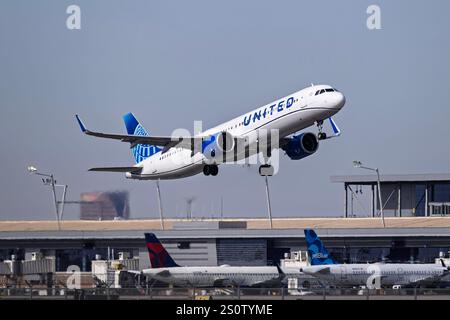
37	265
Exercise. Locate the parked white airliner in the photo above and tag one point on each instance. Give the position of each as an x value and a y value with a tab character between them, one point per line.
373	275
164	269
269	127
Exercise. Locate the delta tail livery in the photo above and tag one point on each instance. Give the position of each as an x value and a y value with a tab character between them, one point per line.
164	269
273	126
373	275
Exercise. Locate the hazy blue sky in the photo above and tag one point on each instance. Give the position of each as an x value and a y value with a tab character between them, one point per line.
173	62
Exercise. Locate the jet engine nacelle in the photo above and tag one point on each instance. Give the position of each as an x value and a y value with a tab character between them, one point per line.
301	146
216	147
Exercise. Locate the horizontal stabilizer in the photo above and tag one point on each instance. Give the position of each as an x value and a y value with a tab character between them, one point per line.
118	169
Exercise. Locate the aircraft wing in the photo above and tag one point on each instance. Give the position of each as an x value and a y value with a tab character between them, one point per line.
271	283
433	278
160	141
322	271
223	282
195	144
274	282
135	272
427	280
164	273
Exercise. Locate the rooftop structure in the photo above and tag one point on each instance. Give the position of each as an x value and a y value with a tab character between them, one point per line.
180	225
403	195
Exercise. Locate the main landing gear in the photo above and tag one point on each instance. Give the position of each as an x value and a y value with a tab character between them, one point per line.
210	169
321	135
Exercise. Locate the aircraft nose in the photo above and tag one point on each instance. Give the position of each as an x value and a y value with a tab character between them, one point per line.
340	100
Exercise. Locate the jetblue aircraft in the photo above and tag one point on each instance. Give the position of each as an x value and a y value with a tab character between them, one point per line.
164	269
372	276
262	130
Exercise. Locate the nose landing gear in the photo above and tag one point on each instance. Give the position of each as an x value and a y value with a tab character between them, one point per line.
321	135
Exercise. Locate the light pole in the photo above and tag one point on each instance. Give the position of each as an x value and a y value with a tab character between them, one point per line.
189	207
158	191
358	164
269	207
50	181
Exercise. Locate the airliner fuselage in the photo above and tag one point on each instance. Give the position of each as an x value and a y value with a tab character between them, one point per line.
287	115
257	132
377	275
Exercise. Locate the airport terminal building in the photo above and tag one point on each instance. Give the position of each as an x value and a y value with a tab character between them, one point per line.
233	241
417	229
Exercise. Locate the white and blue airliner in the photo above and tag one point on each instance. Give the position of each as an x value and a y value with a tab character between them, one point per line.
170	157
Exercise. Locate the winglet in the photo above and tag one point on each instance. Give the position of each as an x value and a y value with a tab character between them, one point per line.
80	123
336	130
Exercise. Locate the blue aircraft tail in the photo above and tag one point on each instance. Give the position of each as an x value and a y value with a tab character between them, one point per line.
318	254
140	151
159	257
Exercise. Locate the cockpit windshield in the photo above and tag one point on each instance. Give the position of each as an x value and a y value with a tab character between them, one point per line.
325	90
